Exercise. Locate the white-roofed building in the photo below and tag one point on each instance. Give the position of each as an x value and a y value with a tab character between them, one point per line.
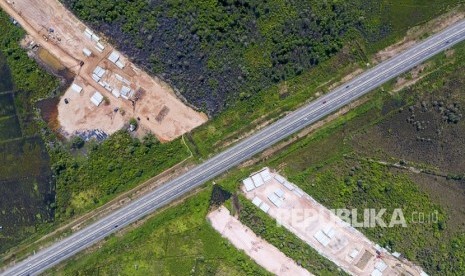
376	273
279	193
120	64
99	71
322	238
265	207
126	92
257	180
288	185
99	46
248	184
329	231
257	201
279	178
380	265
97	98
354	253
265	174
275	200
113	57
87	52
76	88
115	92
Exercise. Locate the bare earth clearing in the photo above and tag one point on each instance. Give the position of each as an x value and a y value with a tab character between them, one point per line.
265	254
50	25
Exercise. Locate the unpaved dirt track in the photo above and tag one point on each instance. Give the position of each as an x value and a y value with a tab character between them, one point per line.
50	25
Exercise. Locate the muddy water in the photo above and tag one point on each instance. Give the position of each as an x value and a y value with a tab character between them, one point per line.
49	112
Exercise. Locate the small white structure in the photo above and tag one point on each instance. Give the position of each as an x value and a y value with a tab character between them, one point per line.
376	273
265	207
99	46
288	185
88	33
97	98
248	184
275	200
354	253
396	254
120	64
380	265
322	238
95	37
257	201
115	92
113	57
99	71
329	231
298	192
279	178
87	52
76	88
257	180
265	174
126	92
279	193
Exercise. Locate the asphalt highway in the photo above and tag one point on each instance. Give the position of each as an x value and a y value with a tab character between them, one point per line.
240	152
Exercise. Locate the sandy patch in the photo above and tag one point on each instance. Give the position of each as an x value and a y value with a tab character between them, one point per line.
265	254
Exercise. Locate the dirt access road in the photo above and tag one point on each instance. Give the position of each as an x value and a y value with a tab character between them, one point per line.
51	26
243	238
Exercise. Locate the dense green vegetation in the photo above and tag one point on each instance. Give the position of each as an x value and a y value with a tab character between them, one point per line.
178	241
116	165
218	52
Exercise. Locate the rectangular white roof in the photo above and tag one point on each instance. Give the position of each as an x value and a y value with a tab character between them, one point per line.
95	77
354	253
380	265
97	98
376	273
115	92
95	38
113	57
76	88
265	174
257	180
275	200
322	238
279	193
288	185
99	71
298	192
329	231
279	178
86	52
119	64
248	184
100	46
257	201
265	207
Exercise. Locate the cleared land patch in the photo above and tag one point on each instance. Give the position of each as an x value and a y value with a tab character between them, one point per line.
53	27
259	250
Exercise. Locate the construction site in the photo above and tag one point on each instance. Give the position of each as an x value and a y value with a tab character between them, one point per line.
329	235
108	89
